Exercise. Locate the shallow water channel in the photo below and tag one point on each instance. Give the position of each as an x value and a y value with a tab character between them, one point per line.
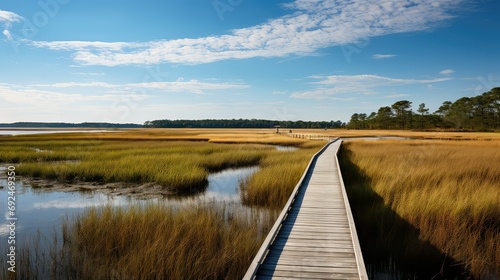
41	211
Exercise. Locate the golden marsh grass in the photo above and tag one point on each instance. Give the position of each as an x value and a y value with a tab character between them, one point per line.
273	185
444	135
158	242
449	190
204	241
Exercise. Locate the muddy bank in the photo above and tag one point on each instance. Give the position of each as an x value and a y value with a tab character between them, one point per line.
140	191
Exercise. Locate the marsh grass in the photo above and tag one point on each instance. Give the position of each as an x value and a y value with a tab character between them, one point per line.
204	241
274	183
208	241
449	190
177	165
262	136
435	135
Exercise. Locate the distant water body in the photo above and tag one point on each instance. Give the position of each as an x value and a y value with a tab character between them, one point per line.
45	131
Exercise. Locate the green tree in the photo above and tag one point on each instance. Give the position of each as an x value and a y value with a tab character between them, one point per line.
384	117
423	112
355	122
444	109
370	121
402	110
461	113
362	120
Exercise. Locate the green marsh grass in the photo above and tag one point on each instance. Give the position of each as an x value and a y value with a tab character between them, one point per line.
448	190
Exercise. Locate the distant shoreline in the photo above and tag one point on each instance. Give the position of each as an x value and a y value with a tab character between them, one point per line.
63	125
53	128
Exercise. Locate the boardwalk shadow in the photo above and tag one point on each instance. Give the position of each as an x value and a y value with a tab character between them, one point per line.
391	246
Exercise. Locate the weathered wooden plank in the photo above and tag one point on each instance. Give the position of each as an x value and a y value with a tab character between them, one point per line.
304	263
291	233
301	249
303	242
309	214
280	274
333	219
313	253
316	228
309	269
311	261
308	223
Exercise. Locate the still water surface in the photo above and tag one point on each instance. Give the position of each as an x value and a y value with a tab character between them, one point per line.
48	131
42	211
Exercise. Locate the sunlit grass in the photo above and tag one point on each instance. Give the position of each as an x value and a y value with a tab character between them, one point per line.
444	135
273	185
179	166
176	165
449	190
159	242
203	241
263	136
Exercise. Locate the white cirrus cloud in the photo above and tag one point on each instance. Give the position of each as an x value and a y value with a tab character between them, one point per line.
396	95
191	86
76	92
89	73
7	18
383	56
447	72
327	86
309	27
36	95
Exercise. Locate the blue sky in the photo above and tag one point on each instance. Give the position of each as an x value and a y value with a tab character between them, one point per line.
131	61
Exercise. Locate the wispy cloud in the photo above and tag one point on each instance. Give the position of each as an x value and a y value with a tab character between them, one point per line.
328	86
447	72
191	86
383	56
89	73
66	93
396	95
35	95
309	27
7	18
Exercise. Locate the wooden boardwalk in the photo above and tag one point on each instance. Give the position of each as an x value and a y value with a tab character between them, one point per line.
314	237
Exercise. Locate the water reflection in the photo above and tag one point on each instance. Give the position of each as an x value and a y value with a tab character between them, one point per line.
4	132
286	148
225	185
41	211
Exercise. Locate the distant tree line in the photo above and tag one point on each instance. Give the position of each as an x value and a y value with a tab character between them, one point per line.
479	113
242	123
68	125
